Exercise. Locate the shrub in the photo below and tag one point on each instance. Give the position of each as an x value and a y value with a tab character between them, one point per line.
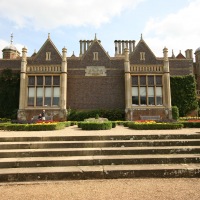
183	93
175	113
112	115
191	124
154	126
33	127
114	124
95	125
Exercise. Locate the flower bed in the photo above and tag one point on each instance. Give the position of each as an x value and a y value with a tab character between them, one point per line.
34	127
153	125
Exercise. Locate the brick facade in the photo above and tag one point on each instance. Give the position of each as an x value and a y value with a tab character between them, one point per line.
107	91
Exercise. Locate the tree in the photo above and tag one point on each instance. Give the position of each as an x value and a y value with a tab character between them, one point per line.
9	93
183	94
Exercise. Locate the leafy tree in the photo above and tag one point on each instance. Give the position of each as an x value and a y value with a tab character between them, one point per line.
183	93
9	93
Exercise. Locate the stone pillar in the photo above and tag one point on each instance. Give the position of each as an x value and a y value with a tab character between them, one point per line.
128	96
81	47
63	95
22	95
166	86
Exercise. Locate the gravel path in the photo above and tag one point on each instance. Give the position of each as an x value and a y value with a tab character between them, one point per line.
120	189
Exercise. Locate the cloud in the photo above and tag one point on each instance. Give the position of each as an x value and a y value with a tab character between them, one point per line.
41	14
178	31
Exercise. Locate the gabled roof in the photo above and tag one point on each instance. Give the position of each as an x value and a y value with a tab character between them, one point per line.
95	47
48	46
150	58
180	56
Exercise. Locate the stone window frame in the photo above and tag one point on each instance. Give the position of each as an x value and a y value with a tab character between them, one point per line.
142	55
39	91
95	55
48	55
143	88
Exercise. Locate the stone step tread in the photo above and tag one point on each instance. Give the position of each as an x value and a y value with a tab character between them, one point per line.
101	157
97	141
100	168
99	149
69	137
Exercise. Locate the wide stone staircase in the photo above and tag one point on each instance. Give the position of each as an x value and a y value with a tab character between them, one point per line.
25	158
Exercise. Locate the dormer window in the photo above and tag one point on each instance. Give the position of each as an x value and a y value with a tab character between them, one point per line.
142	55
95	55
48	55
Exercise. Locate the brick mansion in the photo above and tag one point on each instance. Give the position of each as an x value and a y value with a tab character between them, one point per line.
134	79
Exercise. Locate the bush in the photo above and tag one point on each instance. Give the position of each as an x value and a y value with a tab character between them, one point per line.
183	93
95	125
32	127
191	124
112	115
154	126
175	113
114	124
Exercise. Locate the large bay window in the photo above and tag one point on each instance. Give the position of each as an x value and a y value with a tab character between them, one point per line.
43	90
147	90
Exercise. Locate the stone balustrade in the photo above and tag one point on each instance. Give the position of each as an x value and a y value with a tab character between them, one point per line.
145	68
43	68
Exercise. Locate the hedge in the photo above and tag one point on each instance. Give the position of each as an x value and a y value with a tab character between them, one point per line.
33	127
95	125
191	124
110	114
156	126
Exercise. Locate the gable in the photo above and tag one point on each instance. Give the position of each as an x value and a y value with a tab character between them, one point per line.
54	57
142	54
95	55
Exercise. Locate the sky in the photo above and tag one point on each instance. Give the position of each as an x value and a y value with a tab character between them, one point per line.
163	23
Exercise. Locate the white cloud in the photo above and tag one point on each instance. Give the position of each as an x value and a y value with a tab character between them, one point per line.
54	13
178	31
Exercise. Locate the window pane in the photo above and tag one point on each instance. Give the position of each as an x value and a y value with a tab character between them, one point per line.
47	80
47	99
39	80
143	100
151	99
56	92
142	80
56	80
159	96
158	91
31	94
39	99
31	80
135	99
158	80
150	80
134	80
56	95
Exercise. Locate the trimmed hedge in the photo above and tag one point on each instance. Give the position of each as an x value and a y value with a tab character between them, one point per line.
156	126
33	127
112	115
95	125
191	124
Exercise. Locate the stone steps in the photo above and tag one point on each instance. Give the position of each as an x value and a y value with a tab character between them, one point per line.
25	158
52	152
